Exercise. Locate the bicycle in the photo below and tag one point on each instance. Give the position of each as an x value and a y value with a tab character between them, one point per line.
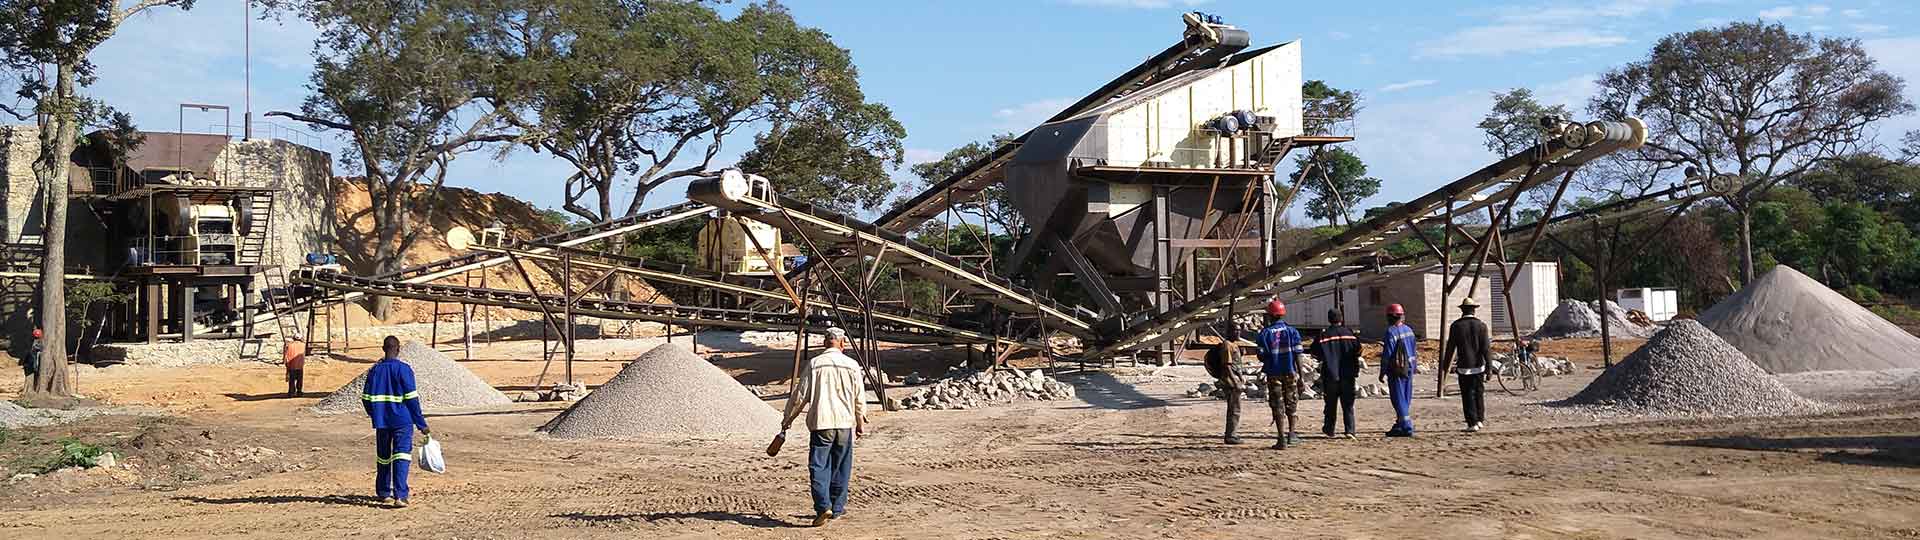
1520	373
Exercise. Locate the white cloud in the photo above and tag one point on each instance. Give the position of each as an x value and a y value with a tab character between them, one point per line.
1497	40
1416	145
1585	12
1782	12
1572	92
1817	10
1801	12
1026	115
1900	57
1853	13
1872	29
1408	85
1336	34
1819	28
1140	4
916	156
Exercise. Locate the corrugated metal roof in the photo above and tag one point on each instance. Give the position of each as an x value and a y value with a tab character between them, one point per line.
175	151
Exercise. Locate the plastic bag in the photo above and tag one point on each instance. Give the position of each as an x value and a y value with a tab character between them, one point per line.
430	457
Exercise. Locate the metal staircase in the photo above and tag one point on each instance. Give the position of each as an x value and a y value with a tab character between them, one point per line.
254	246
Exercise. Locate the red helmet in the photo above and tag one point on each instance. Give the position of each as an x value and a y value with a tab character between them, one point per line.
1395	309
36	333
1277	308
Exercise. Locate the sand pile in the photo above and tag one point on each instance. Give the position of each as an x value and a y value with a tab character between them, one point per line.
1576	319
1687	370
443	384
1787	322
669	391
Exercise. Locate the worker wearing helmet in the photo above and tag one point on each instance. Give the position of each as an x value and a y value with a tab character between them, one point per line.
31	365
1398	365
1279	346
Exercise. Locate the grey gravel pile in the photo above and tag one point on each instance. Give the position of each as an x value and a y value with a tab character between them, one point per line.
1576	319
1787	322
1686	370
12	415
966	389
443	384
668	391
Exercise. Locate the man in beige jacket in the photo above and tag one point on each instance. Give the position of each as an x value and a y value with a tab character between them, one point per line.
830	392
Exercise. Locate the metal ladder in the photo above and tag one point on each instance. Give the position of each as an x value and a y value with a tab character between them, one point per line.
276	300
476	278
253	245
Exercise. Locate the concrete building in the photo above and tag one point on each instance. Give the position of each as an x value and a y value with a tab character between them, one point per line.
181	220
1365	299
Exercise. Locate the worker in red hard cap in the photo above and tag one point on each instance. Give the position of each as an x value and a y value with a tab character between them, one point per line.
1279	347
31	365
1398	365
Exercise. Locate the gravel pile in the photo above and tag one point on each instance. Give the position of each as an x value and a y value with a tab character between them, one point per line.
1576	319
12	415
966	389
1787	322
1686	370
443	384
197	353
669	391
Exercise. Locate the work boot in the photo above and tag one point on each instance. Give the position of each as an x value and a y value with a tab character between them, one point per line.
1350	436
399	503
1293	438
1233	440
820	519
386	501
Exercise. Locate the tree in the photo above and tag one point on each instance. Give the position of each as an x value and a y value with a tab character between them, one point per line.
1338	181
635	95
1326	106
60	34
1513	124
404	131
1753	101
994	204
1882	184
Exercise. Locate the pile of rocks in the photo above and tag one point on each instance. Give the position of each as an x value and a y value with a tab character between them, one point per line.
1576	319
1544	366
966	389
443	384
667	392
1686	370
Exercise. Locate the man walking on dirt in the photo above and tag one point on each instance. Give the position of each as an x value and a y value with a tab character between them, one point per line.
831	393
1398	365
392	400
1223	363
1339	353
1468	349
1279	346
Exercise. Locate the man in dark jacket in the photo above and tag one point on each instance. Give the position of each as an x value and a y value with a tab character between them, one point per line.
1469	345
1339	353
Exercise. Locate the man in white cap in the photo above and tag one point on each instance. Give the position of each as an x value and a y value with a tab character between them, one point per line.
830	392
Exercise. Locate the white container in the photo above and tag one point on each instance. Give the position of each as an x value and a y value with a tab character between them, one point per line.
1660	304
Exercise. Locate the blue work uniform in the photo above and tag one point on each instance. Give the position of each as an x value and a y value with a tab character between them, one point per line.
392	400
1279	348
1401	343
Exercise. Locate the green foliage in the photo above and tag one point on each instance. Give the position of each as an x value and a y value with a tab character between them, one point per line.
1898	314
73	453
1514	122
1841	243
82	294
671	243
994	204
1863	294
1337	181
1326	106
556	218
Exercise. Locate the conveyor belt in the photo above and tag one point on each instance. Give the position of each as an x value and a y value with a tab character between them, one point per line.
1518	172
797	217
1203	45
609	309
749	286
567	238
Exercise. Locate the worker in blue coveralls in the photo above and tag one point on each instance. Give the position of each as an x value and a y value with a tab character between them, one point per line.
1279	347
392	400
1398	365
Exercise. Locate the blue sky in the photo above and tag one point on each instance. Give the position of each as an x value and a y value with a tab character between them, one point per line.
958	71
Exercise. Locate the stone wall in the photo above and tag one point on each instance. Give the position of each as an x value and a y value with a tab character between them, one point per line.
19	146
303	209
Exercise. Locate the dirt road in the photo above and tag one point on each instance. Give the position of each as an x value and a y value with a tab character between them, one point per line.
1133	458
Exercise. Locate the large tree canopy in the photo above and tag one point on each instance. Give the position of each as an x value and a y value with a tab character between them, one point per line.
1337	181
1751	100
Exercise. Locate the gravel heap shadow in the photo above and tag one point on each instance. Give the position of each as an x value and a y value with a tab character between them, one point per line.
1787	322
443	384
1686	370
668	391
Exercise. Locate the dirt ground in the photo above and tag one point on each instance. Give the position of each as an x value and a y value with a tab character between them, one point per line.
1132	458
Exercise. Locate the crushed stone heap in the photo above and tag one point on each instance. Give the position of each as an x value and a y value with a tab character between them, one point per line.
668	391
1787	322
443	384
1576	319
1686	370
966	389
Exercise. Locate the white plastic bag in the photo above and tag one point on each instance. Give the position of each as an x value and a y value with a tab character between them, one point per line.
430	457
